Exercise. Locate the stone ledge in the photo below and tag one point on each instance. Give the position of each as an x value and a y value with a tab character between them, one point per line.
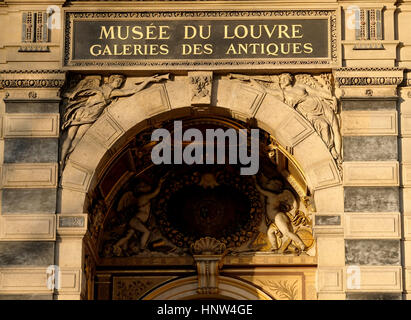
372	225
20	125
27	227
371	173
330	279
368	123
29	175
378	279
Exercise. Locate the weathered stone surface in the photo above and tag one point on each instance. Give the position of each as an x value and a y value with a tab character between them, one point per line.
370	148
71	222
29	201
20	106
327	220
26	296
372	252
22	253
368	104
32	150
371	199
374	296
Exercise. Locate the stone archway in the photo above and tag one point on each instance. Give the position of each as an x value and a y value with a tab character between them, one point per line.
123	118
243	101
186	288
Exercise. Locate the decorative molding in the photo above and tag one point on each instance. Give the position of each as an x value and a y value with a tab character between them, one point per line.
32	79
256	14
208	245
356	69
367	123
371	173
21	125
200	84
29	175
330	279
372	76
369	81
22	280
208	254
33	227
31	83
378	279
372	225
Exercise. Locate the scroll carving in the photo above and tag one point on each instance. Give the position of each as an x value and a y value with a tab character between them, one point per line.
201	86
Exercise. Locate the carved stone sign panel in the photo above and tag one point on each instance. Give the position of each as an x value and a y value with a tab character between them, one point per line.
207	40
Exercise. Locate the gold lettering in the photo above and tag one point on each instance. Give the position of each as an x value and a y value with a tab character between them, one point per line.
308	47
163	33
153	49
93	52
208	48
283	30
297	48
242	47
270	32
119	28
164	49
231	49
137	49
226	32
244	32
186	32
150	32
106	33
137	31
116	53
252	32
127	50
186	49
296	30
107	51
272	52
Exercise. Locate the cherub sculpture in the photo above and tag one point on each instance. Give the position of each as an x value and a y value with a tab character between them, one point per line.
138	223
277	207
87	101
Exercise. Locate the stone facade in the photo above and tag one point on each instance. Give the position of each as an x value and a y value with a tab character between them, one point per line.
359	194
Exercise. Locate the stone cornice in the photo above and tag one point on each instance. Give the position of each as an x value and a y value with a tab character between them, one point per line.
32	79
372	76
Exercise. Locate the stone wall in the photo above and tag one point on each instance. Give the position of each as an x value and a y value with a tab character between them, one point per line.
363	226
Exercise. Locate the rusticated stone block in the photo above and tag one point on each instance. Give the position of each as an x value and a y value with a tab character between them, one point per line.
370	148
26	296
22	253
374	296
30	150
29	106
372	252
368	104
371	199
29	200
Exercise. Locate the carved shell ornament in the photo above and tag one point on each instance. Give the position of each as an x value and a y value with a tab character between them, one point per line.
208	245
